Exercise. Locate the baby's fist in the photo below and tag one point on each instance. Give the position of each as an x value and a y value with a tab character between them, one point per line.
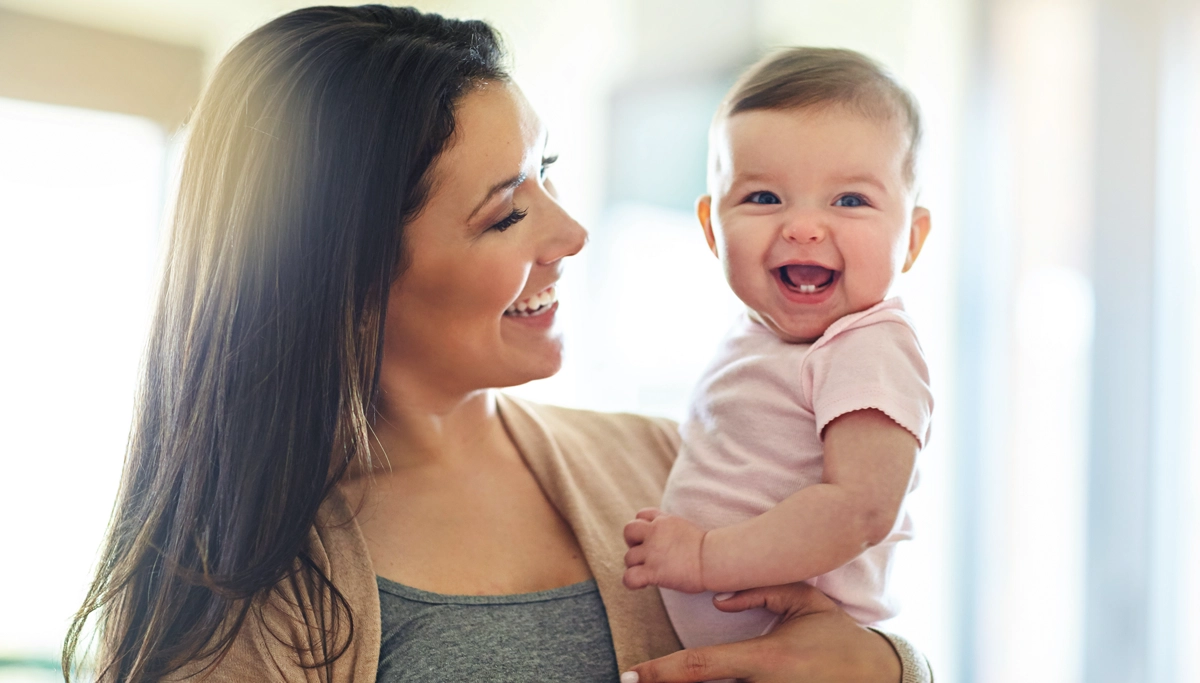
664	550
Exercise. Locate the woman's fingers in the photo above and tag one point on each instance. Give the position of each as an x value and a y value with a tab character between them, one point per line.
695	665
813	641
792	600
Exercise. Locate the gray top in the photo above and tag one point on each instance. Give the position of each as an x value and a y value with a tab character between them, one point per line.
555	635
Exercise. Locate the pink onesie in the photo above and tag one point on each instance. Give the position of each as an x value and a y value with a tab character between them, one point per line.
753	437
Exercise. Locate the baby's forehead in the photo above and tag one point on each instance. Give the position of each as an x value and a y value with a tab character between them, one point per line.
885	119
751	134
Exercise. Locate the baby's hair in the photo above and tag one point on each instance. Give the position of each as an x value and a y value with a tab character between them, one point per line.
815	77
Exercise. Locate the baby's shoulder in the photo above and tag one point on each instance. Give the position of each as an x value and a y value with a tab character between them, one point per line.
885	323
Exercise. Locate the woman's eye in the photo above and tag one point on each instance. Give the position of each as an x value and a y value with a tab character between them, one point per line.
851	201
763	198
547	162
508	221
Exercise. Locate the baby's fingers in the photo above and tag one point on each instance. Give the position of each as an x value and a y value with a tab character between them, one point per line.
649	514
636	555
636	532
636	577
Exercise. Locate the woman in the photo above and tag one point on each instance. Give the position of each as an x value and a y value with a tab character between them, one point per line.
365	246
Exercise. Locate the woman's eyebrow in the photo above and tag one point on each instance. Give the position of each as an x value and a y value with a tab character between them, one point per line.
499	187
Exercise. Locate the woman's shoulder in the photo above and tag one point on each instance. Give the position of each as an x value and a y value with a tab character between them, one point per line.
605	455
639	437
599	469
287	625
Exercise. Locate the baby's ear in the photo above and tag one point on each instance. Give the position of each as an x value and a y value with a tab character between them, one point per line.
704	213
917	232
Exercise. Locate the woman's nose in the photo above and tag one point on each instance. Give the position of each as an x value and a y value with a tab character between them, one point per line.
565	237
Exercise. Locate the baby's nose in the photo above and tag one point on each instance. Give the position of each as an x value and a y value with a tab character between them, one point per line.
804	229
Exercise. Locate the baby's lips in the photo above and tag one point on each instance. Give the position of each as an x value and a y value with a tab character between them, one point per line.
816	276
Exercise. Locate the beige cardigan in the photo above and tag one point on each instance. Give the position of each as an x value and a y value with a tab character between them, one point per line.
598	469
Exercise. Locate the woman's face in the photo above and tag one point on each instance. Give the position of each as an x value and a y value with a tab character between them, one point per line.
476	308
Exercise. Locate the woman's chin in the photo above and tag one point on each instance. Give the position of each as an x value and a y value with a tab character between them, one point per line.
535	347
545	366
528	363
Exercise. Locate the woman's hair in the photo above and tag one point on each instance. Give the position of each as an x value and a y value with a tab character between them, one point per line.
814	77
307	155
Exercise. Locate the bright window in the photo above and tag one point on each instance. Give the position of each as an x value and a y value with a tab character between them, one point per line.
81	194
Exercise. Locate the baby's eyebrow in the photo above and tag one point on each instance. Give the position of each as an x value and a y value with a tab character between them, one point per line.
750	177
862	178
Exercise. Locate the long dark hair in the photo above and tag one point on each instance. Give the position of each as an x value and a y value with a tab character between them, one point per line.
306	156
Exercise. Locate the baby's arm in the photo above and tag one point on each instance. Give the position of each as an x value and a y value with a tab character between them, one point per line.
868	465
869	461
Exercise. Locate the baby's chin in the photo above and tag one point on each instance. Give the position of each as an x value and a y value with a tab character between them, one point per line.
791	333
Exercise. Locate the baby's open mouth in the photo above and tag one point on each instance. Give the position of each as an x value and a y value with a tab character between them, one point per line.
535	305
806	279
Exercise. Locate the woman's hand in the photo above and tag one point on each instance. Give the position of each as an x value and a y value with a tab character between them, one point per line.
815	642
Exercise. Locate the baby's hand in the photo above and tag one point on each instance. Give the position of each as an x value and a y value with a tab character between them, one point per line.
664	550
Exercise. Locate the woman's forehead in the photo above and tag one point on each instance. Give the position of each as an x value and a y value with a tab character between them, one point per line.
496	133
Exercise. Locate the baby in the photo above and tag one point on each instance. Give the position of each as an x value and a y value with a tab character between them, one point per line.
802	436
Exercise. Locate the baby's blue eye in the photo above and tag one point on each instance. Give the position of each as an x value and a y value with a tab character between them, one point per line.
763	198
851	201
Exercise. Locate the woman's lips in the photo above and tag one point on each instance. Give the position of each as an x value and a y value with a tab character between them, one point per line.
537	304
535	311
542	319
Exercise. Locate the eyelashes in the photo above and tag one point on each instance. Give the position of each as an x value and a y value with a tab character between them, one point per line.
517	215
762	197
851	200
508	221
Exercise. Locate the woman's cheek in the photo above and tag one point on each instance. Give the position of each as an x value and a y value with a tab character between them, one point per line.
501	280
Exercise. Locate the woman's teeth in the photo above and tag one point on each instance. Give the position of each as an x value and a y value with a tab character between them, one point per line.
535	305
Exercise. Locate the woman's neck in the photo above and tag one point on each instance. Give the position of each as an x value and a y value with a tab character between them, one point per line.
420	431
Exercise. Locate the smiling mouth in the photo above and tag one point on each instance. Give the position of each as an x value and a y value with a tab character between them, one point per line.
537	304
806	279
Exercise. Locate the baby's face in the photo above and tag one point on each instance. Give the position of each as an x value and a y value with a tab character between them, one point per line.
810	214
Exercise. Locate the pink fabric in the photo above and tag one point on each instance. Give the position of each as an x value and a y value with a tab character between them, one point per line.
753	437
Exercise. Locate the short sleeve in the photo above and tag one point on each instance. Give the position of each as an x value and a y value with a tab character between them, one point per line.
875	363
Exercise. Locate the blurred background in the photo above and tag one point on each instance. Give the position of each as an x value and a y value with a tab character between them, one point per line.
1058	297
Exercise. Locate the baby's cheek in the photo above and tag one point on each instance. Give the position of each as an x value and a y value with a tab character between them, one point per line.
740	273
739	257
871	283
